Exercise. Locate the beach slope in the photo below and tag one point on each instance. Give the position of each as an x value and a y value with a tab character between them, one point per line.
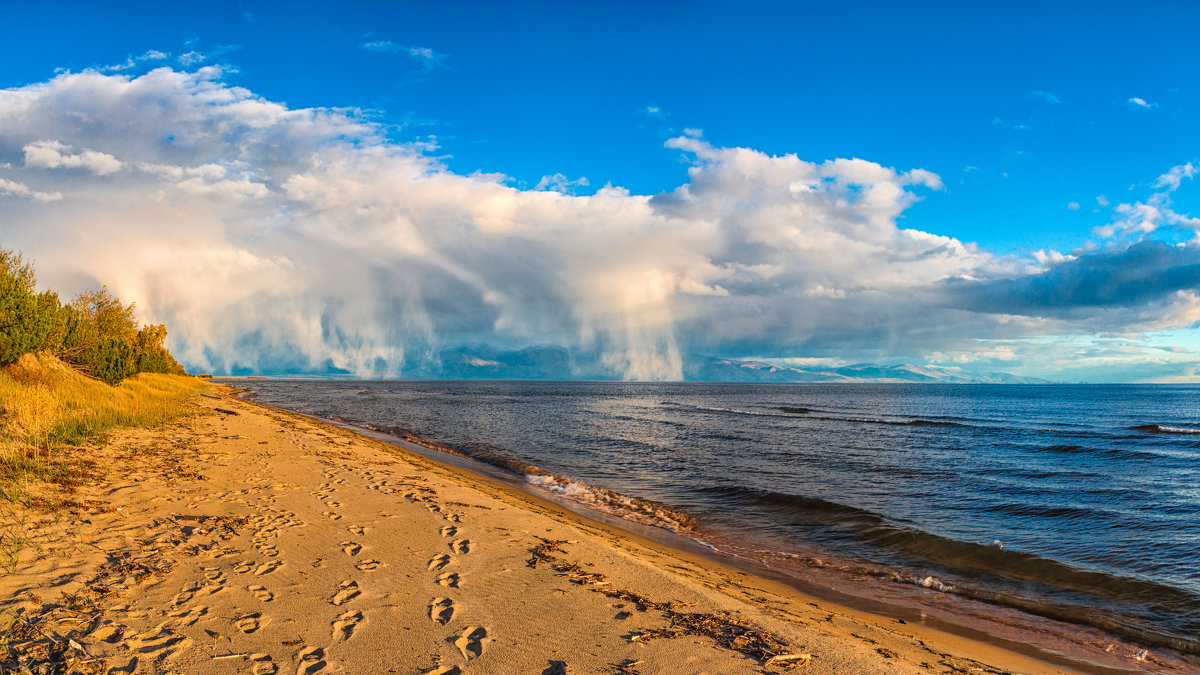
254	540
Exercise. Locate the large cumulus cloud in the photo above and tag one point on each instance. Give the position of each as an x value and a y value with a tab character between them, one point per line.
306	241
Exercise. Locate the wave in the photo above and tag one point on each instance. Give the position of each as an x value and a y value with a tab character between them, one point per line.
956	555
807	413
736	411
1114	452
917	422
644	511
1163	429
990	572
795	411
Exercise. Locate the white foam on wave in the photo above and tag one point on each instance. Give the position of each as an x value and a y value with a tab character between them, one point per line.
737	411
932	582
1176	430
642	511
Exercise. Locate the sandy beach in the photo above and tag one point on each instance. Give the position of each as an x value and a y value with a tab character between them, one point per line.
253	540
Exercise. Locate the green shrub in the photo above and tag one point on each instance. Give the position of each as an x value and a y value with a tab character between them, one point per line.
97	333
26	319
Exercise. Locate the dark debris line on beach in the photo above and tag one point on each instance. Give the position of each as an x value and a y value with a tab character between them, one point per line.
729	633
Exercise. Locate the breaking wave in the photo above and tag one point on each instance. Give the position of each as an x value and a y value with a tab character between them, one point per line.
1028	582
1162	429
644	511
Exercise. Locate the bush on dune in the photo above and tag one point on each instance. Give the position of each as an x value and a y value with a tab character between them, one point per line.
96	332
68	372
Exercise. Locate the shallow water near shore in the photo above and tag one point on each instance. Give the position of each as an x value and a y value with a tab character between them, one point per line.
1077	503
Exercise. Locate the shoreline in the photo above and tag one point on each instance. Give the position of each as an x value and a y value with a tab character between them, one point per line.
1050	617
195	553
941	625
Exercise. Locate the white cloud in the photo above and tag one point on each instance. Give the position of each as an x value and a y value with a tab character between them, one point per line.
53	155
1050	257
195	57
1141	218
1046	96
1072	206
1102	200
21	190
273	238
132	62
560	183
382	46
1171	179
428	58
1141	103
192	58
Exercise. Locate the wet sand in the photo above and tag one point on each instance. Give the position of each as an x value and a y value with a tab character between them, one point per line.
256	540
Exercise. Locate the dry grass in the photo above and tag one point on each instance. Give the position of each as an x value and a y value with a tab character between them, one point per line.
45	406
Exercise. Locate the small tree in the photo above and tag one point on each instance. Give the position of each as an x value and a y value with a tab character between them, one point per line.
96	332
153	357
26	319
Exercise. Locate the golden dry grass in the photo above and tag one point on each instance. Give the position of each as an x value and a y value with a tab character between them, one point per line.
45	405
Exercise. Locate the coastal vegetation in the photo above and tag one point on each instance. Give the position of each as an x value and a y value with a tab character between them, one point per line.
69	372
95	332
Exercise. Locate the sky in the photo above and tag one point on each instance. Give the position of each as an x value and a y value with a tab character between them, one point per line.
362	188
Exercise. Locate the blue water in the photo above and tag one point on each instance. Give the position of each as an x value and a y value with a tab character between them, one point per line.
1079	503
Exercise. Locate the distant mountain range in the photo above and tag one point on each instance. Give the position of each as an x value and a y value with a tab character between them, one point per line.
731	370
556	363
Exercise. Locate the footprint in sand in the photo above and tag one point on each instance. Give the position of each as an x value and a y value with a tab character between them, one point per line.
449	531
437	562
454	518
247	623
267	568
343	627
109	633
183	597
334	505
449	579
159	644
188	615
445	670
312	660
351	548
472	642
269	551
333	516
441	610
243	567
368	565
262	665
356	529
348	590
214	575
260	593
461	546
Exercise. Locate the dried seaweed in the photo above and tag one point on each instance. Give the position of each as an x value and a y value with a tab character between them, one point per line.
728	633
541	552
46	642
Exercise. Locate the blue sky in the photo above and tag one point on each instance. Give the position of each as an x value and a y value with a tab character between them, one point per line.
1039	122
